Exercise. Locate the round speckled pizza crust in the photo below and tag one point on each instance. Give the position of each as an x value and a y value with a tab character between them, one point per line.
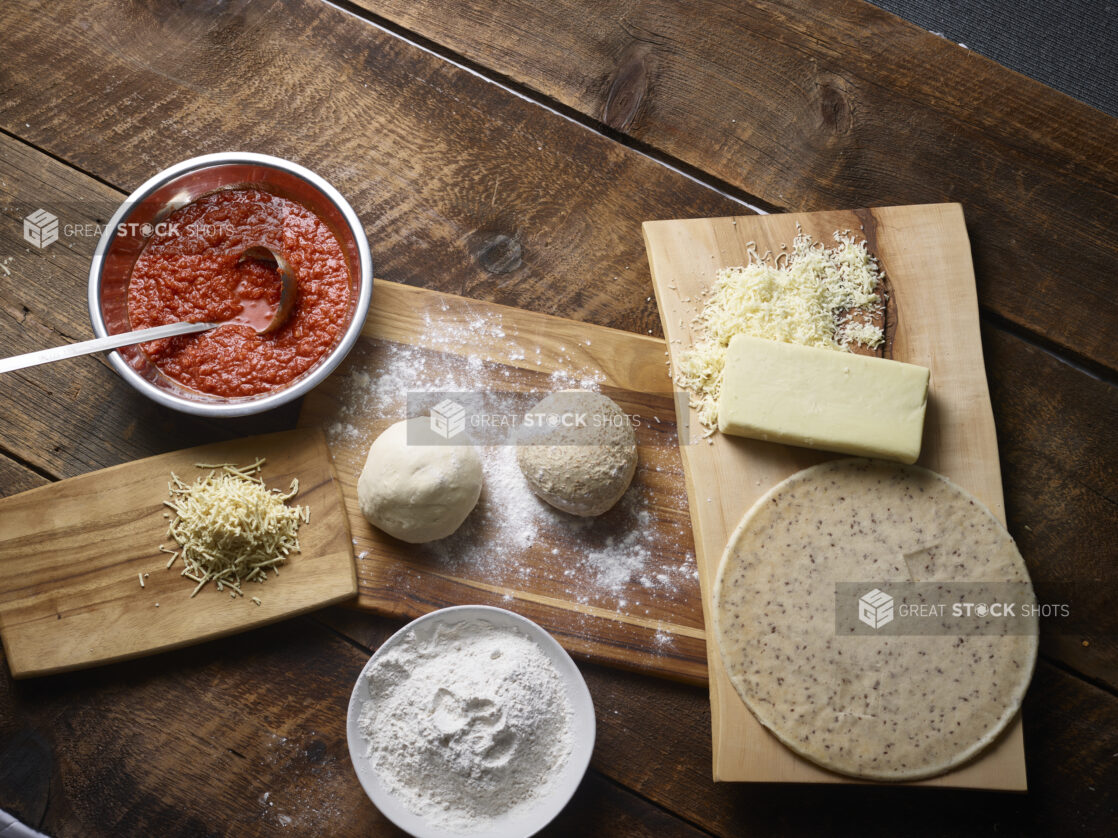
875	707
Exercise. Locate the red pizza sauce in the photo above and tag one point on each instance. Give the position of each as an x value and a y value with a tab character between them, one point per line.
192	270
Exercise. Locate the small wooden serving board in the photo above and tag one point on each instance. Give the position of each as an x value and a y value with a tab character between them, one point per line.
650	621
925	253
71	554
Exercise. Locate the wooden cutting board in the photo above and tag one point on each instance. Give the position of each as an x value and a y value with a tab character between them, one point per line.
71	554
640	612
925	253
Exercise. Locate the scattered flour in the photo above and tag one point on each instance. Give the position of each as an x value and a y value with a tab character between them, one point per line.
466	724
618	559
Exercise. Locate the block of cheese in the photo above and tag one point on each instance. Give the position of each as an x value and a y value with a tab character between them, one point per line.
823	398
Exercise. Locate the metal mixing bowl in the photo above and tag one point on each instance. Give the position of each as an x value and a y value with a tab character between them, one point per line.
129	229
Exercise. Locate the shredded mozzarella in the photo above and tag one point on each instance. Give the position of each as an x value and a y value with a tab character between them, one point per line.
799	296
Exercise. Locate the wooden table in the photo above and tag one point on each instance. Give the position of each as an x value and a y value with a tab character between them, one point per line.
509	151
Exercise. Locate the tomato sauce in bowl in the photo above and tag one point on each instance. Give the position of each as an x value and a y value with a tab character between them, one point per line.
191	269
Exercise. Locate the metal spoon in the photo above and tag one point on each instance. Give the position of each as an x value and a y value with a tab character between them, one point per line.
287	283
88	347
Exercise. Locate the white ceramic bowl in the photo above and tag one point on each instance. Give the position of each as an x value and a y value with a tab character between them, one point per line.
582	721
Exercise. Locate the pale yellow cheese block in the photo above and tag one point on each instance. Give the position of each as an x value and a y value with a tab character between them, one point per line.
823	398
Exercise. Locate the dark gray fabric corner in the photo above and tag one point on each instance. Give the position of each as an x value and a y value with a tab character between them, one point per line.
1071	45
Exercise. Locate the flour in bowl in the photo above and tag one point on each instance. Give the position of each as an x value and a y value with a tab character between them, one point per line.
467	724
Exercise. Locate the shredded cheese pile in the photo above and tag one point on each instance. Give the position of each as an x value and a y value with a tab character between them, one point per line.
230	528
810	295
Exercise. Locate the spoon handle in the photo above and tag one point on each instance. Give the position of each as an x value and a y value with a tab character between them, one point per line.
87	347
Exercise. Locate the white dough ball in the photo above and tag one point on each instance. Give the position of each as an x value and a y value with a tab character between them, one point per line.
578	451
422	491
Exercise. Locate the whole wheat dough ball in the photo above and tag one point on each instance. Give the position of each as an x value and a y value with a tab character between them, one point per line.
422	491
578	451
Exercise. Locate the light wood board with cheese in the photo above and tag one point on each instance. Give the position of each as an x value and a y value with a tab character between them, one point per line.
925	253
650	621
73	553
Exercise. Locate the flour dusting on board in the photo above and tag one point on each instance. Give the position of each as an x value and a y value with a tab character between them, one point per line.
612	562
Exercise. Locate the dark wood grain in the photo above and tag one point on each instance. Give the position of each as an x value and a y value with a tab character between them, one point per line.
653	737
110	752
1058	439
134	749
831	105
1071	730
15	477
601	807
463	186
111	423
226	738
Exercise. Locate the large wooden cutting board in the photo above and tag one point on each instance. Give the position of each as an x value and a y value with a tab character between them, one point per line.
71	553
650	621
926	254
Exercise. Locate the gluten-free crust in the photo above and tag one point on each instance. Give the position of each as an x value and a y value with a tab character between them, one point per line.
875	707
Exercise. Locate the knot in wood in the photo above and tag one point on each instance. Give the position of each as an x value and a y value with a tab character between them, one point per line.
834	108
629	88
497	253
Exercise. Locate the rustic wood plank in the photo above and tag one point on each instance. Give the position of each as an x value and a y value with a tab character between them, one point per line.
601	808
926	252
73	553
243	737
1071	728
68	713
650	621
463	186
16	477
828	105
1058	434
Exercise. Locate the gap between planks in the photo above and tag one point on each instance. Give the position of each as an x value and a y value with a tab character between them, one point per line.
675	164
702	178
549	103
5	132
